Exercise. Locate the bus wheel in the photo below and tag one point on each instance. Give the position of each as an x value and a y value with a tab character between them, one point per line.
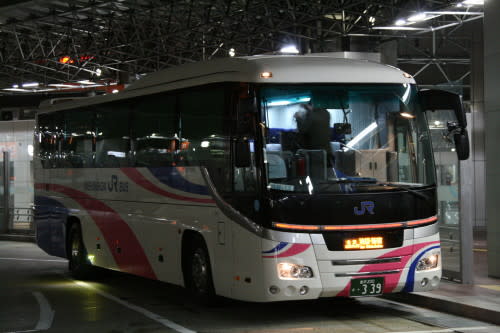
79	265
199	274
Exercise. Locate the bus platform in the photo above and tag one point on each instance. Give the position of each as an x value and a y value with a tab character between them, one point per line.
478	301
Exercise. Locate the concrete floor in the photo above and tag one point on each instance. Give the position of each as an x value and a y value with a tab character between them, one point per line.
36	294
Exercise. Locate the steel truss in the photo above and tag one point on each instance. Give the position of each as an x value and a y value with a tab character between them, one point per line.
110	40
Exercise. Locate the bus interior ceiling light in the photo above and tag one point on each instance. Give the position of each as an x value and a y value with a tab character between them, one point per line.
283	102
407	115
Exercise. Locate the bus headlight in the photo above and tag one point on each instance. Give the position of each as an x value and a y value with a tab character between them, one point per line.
429	261
294	271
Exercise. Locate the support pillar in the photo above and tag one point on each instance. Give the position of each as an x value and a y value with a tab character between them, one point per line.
492	115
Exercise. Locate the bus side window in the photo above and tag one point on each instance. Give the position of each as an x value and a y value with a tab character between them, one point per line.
205	128
47	136
154	131
112	135
78	139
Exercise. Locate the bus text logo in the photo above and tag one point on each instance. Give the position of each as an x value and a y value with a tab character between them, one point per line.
113	185
365	206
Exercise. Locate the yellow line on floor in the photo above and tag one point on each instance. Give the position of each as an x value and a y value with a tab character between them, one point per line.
480	250
490	286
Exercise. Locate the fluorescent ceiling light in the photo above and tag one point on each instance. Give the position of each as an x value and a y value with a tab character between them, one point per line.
30	85
400	28
290	49
473	2
86	82
16	89
417	17
400	22
62	85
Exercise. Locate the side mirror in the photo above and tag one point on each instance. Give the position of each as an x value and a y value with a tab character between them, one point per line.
440	100
461	139
433	100
242	153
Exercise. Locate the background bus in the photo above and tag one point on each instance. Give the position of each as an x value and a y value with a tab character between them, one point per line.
258	178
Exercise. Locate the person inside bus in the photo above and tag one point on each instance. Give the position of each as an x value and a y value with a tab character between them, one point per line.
313	127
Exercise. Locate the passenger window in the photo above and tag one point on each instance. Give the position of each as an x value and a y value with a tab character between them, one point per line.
112	134
78	139
155	131
204	133
49	133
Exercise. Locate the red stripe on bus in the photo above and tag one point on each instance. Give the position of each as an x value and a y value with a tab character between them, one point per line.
140	180
390	280
115	230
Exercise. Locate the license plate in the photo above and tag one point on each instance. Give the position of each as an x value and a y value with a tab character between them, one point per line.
367	286
364	243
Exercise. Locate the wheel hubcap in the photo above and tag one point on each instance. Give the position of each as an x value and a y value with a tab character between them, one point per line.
199	271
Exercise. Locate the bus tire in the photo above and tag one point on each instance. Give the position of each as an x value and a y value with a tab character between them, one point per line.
198	271
79	265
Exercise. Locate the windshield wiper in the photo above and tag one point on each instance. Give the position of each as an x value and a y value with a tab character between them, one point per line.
349	181
409	190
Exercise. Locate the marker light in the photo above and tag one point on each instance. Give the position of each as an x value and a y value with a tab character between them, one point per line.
294	271
430	261
266	75
295	226
392	225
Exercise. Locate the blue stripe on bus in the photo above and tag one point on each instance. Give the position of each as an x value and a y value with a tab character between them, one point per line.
411	273
277	248
50	223
170	176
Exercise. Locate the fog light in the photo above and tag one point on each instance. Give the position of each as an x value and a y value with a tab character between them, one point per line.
294	271
274	290
303	290
434	281
424	282
430	261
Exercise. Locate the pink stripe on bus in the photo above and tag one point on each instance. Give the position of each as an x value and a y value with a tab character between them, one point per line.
115	230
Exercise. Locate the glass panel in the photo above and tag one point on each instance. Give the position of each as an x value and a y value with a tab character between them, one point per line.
448	176
345	138
205	124
155	129
78	139
113	137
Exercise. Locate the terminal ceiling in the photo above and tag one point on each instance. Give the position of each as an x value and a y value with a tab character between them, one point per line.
60	43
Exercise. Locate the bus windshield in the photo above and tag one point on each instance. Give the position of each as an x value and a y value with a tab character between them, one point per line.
345	138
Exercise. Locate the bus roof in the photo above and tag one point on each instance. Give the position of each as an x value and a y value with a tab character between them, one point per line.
313	68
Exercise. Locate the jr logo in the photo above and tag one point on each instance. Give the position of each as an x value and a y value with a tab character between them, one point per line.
366	206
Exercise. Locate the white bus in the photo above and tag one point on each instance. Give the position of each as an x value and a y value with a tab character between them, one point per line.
264	178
